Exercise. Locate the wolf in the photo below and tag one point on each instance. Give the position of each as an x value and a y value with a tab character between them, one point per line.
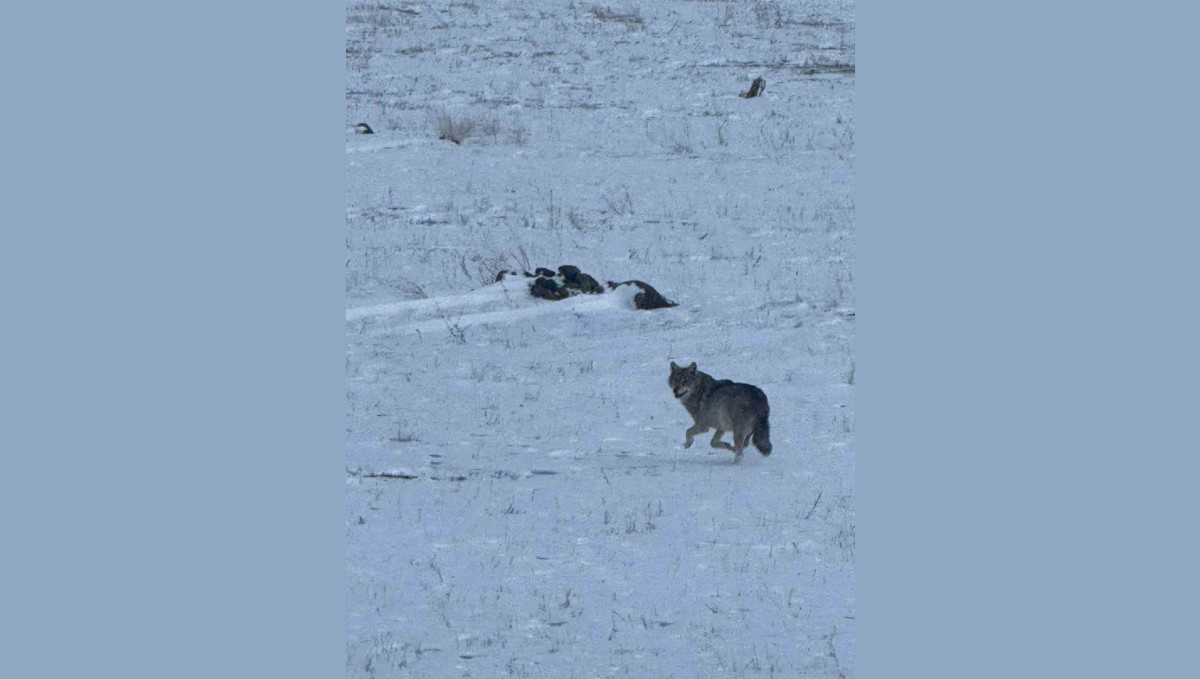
725	405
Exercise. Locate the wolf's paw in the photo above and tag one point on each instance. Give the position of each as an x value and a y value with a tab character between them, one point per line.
737	457
687	443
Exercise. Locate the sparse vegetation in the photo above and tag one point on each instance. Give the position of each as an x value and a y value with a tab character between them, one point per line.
768	14
453	127
487	265
630	18
620	206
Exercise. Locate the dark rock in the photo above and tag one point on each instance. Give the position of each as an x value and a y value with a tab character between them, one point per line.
546	288
648	298
589	285
571	273
756	88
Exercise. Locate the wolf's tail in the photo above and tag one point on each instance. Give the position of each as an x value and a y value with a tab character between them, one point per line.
762	437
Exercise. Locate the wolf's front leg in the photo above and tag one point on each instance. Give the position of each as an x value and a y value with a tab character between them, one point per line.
691	432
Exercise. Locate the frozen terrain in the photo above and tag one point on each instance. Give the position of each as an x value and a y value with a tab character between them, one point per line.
518	499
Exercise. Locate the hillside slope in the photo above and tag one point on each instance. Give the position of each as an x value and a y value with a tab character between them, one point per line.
519	502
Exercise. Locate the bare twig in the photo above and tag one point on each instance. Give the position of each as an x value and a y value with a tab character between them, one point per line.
814	507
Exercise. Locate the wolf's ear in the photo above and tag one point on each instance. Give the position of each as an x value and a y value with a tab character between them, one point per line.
692	368
674	368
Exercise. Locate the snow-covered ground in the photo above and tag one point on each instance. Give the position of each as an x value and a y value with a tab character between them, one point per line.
518	499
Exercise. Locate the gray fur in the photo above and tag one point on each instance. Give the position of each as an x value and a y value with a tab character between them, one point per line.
724	405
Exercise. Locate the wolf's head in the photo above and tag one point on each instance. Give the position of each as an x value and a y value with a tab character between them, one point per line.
683	380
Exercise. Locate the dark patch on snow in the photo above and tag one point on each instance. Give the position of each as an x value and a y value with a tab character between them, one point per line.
648	298
570	280
756	88
390	475
548	288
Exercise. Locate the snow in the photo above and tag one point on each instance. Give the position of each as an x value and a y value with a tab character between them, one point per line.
518	499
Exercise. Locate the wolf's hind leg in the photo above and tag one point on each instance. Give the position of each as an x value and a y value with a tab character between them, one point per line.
740	439
717	442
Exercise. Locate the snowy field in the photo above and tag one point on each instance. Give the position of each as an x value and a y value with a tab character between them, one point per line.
518	499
